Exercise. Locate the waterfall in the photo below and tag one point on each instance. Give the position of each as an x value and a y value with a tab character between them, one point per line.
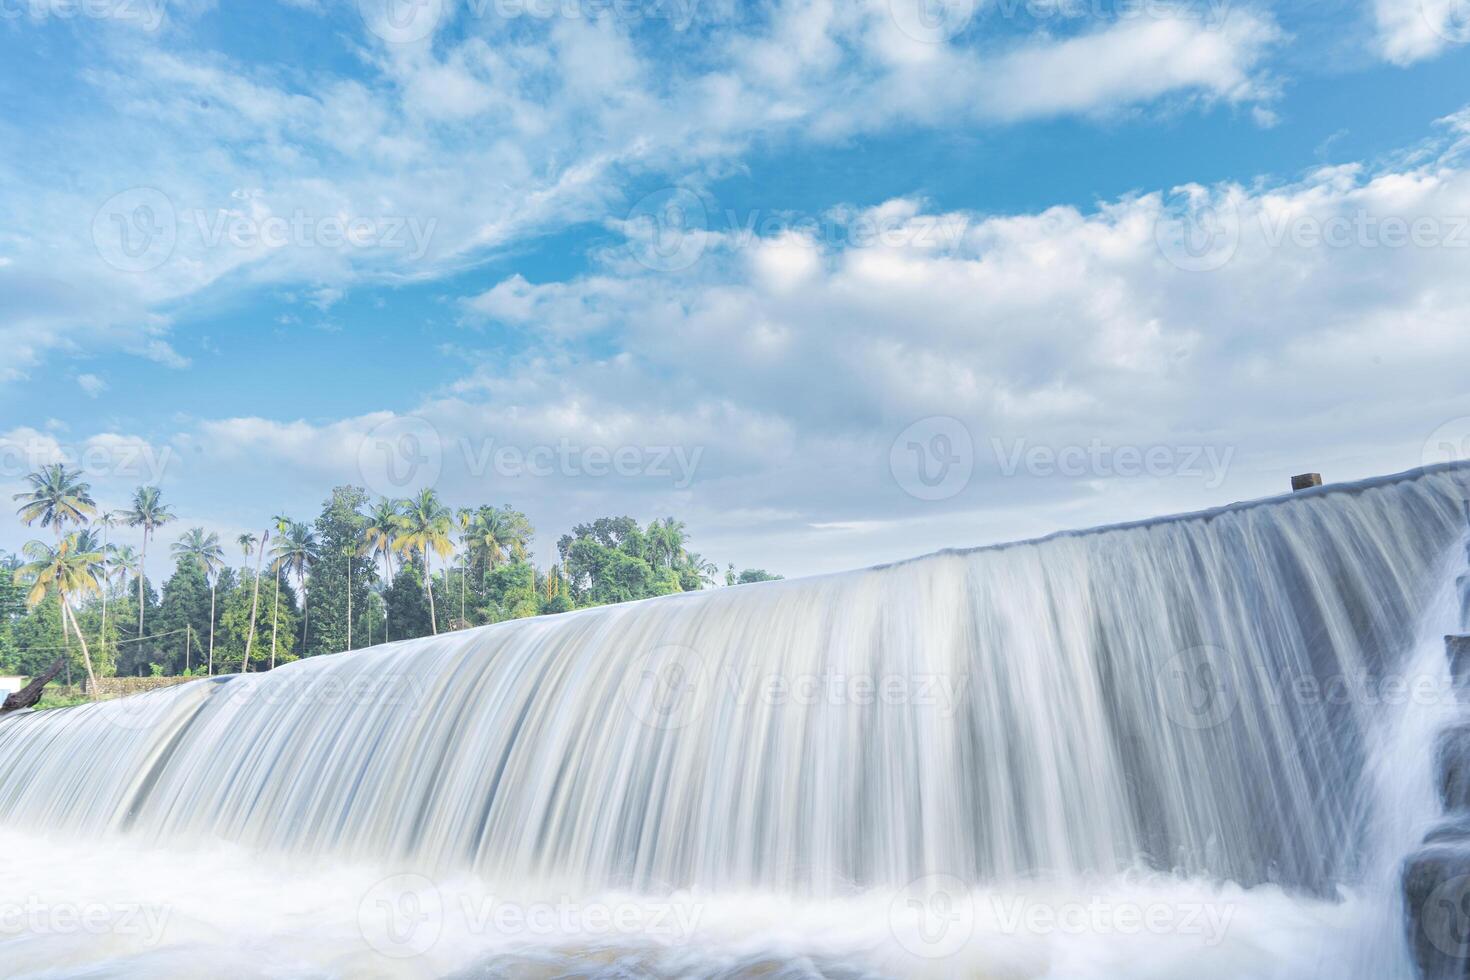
1207	697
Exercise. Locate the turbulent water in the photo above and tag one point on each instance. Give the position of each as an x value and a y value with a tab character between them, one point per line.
1196	746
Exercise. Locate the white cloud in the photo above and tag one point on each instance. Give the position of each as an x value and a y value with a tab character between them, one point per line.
449	150
783	368
91	384
1413	30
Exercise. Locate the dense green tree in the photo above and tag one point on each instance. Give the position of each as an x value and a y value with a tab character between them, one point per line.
341	576
406	603
183	620
12	608
234	634
40	639
749	576
511	590
133	655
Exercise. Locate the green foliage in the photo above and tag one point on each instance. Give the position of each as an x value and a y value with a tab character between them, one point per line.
12	608
408	606
339	532
39	640
750	575
511	592
277	625
361	566
182	622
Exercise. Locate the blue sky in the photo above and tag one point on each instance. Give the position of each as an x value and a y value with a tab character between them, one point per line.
835	283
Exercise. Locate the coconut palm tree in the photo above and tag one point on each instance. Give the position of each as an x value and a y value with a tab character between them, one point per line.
124	562
706	569
107	520
255	599
296	551
384	521
427	525
666	540
205	551
498	533
150	513
65	570
57	497
283	524
465	518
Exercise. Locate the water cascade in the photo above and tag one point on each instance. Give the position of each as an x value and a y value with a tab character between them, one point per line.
1236	704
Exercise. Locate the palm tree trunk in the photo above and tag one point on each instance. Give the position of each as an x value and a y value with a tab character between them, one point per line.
429	585
254	605
66	642
67	614
305	609
142	577
212	586
106	587
275	616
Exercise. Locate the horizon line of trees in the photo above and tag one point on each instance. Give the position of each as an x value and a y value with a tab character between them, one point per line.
362	572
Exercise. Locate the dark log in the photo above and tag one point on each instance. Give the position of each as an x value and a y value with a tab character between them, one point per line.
1452	763
1436	893
1457	650
28	696
1305	481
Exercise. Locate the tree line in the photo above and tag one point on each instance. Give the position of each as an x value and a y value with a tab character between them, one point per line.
362	572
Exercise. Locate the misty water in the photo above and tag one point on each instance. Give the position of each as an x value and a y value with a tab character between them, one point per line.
1198	746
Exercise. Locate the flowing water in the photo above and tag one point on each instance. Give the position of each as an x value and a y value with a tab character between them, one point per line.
1192	747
